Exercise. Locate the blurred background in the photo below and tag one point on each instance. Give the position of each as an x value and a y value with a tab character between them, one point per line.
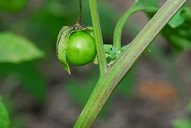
39	93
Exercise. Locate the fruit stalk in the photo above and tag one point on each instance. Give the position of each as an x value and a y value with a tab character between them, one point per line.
79	21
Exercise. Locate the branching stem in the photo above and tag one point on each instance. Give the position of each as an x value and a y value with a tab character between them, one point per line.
109	81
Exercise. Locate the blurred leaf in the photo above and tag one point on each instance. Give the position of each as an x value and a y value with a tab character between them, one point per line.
147	5
182	123
106	13
186	13
178	30
179	38
189	107
12	5
80	91
15	49
126	85
31	79
177	20
180	42
4	117
16	123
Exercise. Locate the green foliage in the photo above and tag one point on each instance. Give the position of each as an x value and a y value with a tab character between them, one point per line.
81	90
15	54
147	5
127	85
177	20
189	107
53	14
30	77
178	30
182	123
15	49
16	124
43	27
111	75
12	6
4	117
112	53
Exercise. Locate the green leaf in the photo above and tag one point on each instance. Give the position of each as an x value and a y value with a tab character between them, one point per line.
16	49
177	20
189	107
4	117
32	81
179	38
30	78
126	85
111	52
12	5
80	91
186	13
147	5
178	31
182	123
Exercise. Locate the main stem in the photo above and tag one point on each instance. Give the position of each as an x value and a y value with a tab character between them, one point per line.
107	83
98	37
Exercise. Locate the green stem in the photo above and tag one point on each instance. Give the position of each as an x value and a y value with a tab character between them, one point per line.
120	25
98	37
106	85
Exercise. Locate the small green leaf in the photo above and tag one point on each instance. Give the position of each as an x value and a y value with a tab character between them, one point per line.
111	52
107	48
4	117
16	49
